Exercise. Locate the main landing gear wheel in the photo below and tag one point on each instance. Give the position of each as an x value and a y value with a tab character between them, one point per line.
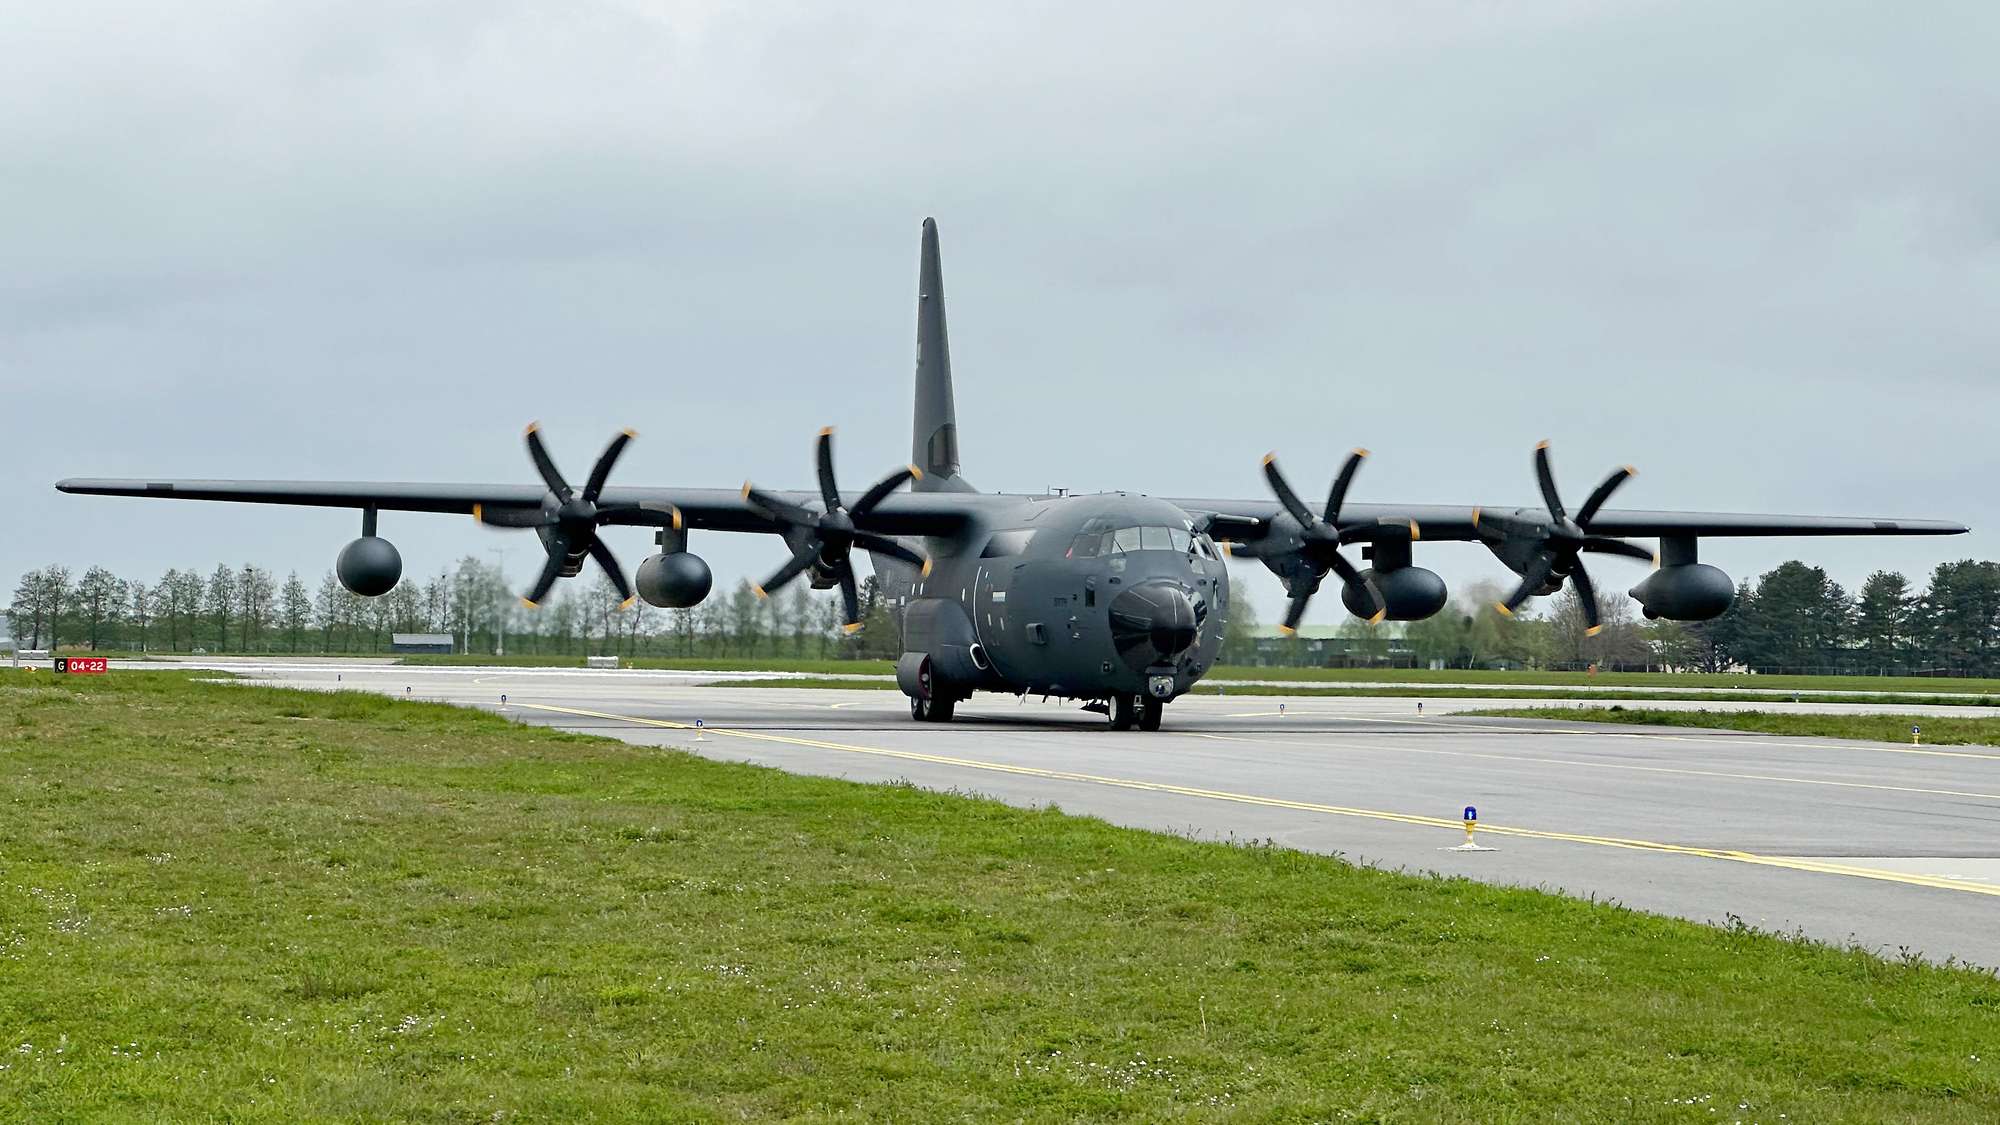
934	710
1124	711
1149	714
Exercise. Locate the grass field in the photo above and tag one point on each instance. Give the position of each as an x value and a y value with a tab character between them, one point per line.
1937	731
254	904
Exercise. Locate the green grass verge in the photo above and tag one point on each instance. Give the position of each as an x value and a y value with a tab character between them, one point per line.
1719	681
1938	731
255	904
691	664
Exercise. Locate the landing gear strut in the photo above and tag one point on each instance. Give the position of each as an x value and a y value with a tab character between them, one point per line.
936	709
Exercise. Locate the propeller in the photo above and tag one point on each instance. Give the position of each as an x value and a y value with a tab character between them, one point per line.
567	520
828	537
1319	540
1559	541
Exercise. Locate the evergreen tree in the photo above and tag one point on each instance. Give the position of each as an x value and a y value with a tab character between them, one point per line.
1883	619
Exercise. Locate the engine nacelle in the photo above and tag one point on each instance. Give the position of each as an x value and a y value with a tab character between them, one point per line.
1689	592
674	581
1410	593
369	566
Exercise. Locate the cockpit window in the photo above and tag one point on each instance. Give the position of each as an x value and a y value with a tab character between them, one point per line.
1097	538
1011	542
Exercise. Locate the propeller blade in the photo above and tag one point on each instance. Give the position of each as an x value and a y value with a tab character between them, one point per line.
1589	510
828	490
510	517
883	488
544	465
883	545
551	570
1286	497
601	471
1531	580
1294	613
1547	479
850	599
1338	494
782	511
794	566
1352	577
1605	546
612	570
1586	593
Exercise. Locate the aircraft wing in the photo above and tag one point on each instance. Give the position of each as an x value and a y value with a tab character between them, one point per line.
720	509
1247	521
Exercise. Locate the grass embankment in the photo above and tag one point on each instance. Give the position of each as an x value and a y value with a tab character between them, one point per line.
221	901
1938	731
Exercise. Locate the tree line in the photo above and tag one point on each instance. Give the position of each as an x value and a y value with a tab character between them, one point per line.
1792	619
249	610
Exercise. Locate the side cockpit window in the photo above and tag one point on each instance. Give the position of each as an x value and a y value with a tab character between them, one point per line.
1011	542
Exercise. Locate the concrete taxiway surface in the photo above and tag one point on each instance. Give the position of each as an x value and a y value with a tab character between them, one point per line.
1891	846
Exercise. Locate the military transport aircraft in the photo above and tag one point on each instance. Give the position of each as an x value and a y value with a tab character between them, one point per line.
1117	599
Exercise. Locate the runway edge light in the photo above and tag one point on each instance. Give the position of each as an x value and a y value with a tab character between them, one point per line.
1471	823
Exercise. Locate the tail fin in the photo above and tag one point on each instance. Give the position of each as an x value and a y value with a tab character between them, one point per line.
934	433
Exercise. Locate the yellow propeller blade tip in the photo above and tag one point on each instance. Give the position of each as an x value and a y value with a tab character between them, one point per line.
746	490
1475	517
479	513
1379	615
1286	630
629	432
825	431
927	568
1593	630
529	604
1228	548
1502	607
1270	457
1630	471
1542	444
916	473
851	627
1360	452
627	603
677	519
1416	531
758	590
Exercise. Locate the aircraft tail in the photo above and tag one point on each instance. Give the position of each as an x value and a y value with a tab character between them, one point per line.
934	432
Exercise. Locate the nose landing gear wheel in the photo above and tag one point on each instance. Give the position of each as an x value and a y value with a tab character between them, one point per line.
1124	711
937	709
1149	714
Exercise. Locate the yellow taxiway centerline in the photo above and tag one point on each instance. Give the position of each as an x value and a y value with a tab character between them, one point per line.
1823	867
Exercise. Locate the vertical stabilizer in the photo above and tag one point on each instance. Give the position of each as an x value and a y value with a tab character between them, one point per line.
934	433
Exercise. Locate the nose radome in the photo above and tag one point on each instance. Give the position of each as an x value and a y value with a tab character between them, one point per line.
1152	622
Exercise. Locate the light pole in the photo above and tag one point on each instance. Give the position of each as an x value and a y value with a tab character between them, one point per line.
500	603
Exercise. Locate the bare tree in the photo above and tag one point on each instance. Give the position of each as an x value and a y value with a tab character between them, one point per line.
99	598
295	609
220	601
139	609
254	590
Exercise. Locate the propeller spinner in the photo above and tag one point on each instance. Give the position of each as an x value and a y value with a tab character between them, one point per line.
1319	540
1559	542
829	537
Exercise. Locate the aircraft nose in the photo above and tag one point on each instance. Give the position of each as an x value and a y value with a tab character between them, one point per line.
1152	622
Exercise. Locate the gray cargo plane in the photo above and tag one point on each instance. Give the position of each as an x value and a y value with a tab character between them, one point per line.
1118	599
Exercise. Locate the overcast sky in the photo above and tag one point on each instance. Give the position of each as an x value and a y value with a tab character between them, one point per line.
1752	248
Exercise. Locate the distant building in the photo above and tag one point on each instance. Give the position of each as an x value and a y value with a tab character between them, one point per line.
415	643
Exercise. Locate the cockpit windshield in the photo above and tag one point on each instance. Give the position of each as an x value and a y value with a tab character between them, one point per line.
1098	537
